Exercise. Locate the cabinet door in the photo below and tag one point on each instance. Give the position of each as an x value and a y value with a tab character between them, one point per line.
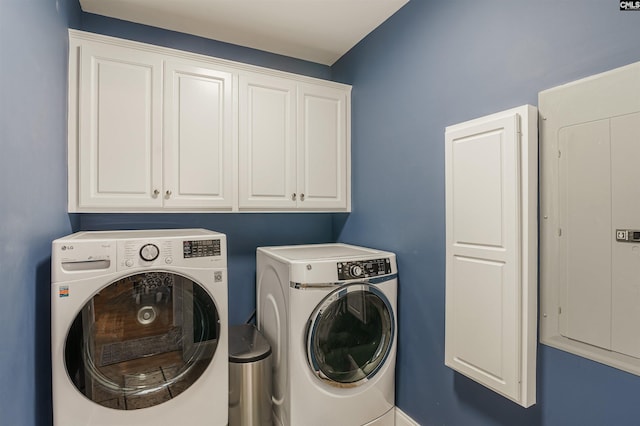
323	139
198	137
491	188
267	152
119	130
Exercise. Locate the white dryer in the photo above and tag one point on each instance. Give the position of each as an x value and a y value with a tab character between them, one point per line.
139	328
329	313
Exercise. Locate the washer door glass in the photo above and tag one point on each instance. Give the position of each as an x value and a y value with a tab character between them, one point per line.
142	340
350	335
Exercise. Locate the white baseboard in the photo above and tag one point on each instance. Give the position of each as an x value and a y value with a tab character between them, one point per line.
403	420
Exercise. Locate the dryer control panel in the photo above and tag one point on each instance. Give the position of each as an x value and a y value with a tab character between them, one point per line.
363	269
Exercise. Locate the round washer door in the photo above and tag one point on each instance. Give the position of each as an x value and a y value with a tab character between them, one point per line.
350	335
142	340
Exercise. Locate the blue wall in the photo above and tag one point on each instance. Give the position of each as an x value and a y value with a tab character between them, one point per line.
437	63
431	65
33	103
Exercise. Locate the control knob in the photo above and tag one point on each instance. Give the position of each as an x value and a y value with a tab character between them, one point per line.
355	270
149	252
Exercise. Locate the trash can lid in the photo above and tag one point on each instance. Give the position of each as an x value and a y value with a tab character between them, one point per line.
247	344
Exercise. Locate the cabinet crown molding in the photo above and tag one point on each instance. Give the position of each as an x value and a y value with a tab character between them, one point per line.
78	35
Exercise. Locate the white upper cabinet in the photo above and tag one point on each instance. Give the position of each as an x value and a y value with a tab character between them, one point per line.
198	136
117	118
323	150
156	129
491	251
294	146
267	145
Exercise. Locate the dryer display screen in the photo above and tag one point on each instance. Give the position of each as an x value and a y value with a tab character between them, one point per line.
201	248
363	269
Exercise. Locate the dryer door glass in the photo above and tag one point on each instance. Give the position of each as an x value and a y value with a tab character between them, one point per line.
350	335
142	340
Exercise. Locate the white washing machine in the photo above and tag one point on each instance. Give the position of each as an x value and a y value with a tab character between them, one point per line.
329	313
139	328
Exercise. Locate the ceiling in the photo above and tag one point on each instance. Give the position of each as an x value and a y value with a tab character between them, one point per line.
319	31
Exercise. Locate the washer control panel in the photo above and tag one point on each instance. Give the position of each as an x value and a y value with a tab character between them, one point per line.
175	252
363	269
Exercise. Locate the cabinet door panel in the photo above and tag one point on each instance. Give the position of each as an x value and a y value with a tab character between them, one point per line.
584	283
491	231
322	147
267	152
119	158
482	328
198	139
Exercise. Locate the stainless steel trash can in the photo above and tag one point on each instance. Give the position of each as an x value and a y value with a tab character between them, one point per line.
250	377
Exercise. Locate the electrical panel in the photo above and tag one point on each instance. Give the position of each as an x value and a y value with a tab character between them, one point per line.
590	217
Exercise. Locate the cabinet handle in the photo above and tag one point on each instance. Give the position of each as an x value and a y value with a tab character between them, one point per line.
301	197
168	193
293	196
155	193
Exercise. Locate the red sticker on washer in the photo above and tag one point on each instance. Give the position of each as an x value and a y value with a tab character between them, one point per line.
64	291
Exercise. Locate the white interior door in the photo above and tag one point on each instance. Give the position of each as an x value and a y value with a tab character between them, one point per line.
484	264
